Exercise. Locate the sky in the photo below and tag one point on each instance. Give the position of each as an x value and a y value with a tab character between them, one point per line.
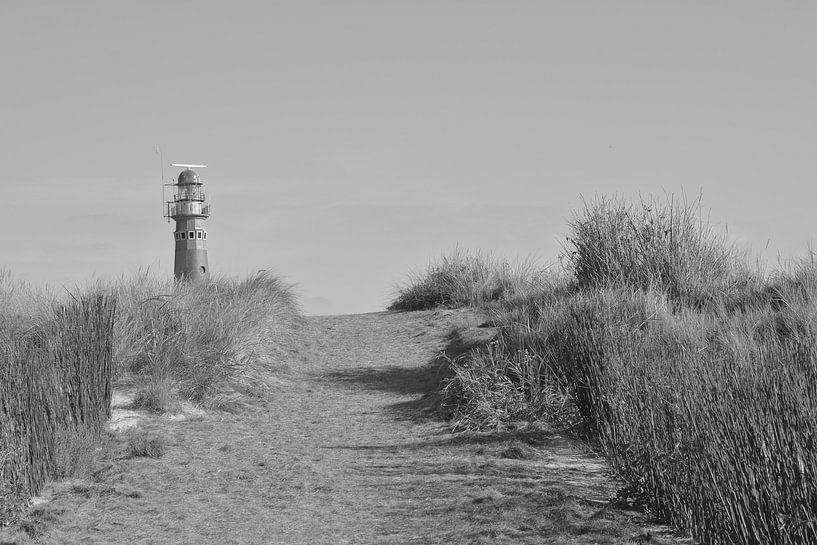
352	142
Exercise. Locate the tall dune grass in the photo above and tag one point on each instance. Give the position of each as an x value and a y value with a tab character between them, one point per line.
55	369
669	246
462	278
696	372
193	340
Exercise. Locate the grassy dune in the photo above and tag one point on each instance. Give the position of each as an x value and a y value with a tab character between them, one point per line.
203	342
694	370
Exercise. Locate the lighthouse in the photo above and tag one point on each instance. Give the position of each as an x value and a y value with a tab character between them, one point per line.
189	208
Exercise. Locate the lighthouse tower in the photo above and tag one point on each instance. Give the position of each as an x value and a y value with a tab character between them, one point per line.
189	208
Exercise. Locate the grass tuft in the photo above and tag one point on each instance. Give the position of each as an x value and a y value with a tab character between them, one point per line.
157	395
147	444
464	278
653	244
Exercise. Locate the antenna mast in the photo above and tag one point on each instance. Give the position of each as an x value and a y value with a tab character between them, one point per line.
162	168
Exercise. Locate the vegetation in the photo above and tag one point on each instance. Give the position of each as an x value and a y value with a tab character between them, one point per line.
142	443
55	369
466	279
207	343
696	373
199	340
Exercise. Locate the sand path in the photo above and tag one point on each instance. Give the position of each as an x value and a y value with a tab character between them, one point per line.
344	452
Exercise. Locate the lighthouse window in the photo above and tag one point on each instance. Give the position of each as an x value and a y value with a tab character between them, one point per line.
205	235
191	234
198	234
184	235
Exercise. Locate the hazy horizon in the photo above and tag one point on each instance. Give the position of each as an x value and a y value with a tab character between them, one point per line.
349	143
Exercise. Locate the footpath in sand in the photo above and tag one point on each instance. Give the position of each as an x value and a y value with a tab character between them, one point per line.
345	451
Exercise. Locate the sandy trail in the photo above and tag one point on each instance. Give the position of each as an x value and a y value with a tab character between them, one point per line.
344	453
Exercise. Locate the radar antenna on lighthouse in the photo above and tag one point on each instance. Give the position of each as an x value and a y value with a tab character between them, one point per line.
189	208
183	165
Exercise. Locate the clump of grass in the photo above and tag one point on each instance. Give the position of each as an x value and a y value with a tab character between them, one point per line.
464	278
653	244
493	385
157	395
145	444
74	452
197	338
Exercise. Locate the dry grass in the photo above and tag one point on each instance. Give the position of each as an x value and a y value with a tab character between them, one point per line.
494	385
194	340
143	443
463	278
667	246
345	454
156	394
203	342
75	452
695	371
54	386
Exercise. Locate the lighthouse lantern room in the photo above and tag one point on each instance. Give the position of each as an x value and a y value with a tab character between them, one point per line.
189	208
